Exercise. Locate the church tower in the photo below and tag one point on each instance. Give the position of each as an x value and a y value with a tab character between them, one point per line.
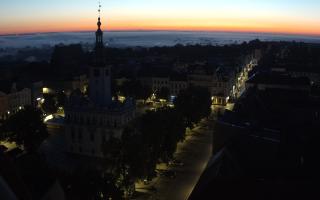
100	80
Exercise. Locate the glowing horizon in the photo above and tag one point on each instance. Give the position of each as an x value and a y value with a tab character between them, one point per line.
272	16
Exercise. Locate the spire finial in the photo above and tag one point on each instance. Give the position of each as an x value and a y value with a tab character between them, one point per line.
99	10
99	40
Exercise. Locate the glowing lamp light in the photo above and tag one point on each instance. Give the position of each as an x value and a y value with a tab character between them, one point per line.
47	118
121	98
45	90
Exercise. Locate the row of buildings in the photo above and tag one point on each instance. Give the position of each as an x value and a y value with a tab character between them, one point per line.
14	96
223	83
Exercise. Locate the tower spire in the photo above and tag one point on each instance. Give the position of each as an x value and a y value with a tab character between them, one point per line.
99	10
99	16
100	73
99	40
99	33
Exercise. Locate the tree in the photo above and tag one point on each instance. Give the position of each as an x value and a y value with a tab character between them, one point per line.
49	106
135	89
137	153
113	152
92	184
143	92
164	93
26	128
194	103
61	99
151	139
172	131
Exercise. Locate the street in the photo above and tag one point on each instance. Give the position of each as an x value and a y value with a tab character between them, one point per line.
194	153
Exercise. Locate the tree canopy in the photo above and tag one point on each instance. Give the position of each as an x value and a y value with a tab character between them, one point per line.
135	89
150	139
164	93
194	103
49	105
26	128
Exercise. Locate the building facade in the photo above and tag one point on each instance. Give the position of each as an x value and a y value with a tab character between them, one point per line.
3	106
175	86
13	98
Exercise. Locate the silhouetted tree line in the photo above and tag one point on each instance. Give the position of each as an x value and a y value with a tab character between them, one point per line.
134	89
26	128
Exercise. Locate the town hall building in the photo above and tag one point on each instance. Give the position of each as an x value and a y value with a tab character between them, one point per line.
91	120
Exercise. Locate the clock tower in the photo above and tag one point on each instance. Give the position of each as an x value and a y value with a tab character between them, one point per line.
100	76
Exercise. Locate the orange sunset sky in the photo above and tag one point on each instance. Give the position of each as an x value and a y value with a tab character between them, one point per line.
281	16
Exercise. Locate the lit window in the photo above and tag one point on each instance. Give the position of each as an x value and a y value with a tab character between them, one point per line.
45	90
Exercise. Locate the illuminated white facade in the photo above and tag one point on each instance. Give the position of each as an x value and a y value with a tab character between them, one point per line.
13	100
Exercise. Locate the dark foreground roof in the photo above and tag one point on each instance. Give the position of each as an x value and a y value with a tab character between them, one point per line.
248	168
278	79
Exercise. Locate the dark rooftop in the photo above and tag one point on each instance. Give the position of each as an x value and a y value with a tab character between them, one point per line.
278	79
6	86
